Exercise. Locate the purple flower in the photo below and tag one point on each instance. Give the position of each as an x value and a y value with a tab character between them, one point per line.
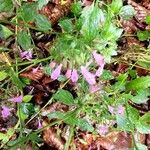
98	58
39	124
102	129
120	110
56	72
94	88
5	111
111	109
74	75
89	77
17	99
26	55
68	73
99	71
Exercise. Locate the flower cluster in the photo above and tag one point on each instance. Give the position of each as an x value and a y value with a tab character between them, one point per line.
73	75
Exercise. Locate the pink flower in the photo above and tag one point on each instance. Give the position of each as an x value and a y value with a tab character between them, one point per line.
120	110
56	72
39	124
5	111
94	88
26	55
111	109
17	99
74	75
89	77
102	129
98	58
52	64
99	71
68	73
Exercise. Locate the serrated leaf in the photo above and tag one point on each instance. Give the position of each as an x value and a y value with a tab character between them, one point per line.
42	23
141	96
139	83
3	75
143	35
92	18
27	98
127	12
24	40
5	32
6	5
66	25
116	6
28	12
84	125
64	96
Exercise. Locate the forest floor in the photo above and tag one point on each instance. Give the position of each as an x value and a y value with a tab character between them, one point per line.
74	75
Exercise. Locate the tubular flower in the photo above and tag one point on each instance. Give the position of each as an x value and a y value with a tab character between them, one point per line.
98	58
68	73
17	99
89	77
56	72
94	88
74	75
5	111
102	129
26	55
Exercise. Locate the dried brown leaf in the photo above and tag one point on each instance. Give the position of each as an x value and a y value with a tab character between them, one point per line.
51	138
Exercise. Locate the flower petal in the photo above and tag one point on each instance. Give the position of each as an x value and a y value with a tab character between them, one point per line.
17	99
102	129
56	73
94	88
98	58
89	77
5	111
74	76
120	110
68	73
99	71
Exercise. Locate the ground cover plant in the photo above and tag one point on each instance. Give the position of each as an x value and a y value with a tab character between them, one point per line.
74	75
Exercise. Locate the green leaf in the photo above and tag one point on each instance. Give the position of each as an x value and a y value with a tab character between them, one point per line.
42	3
56	115
42	23
147	19
27	98
143	35
144	64
76	8
141	96
92	18
127	12
140	146
64	96
106	75
6	5
143	128
27	108
28	12
24	40
3	75
84	125
66	25
5	32
145	117
116	6
139	83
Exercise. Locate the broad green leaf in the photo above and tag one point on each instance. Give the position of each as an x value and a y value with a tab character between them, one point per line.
144	64
42	3
143	127
27	108
140	146
127	12
56	115
147	19
66	25
145	117
76	8
116	6
92	18
84	125
42	23
106	75
28	12
27	98
141	96
3	75
6	5
64	96
24	40
5	32
139	83
143	35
